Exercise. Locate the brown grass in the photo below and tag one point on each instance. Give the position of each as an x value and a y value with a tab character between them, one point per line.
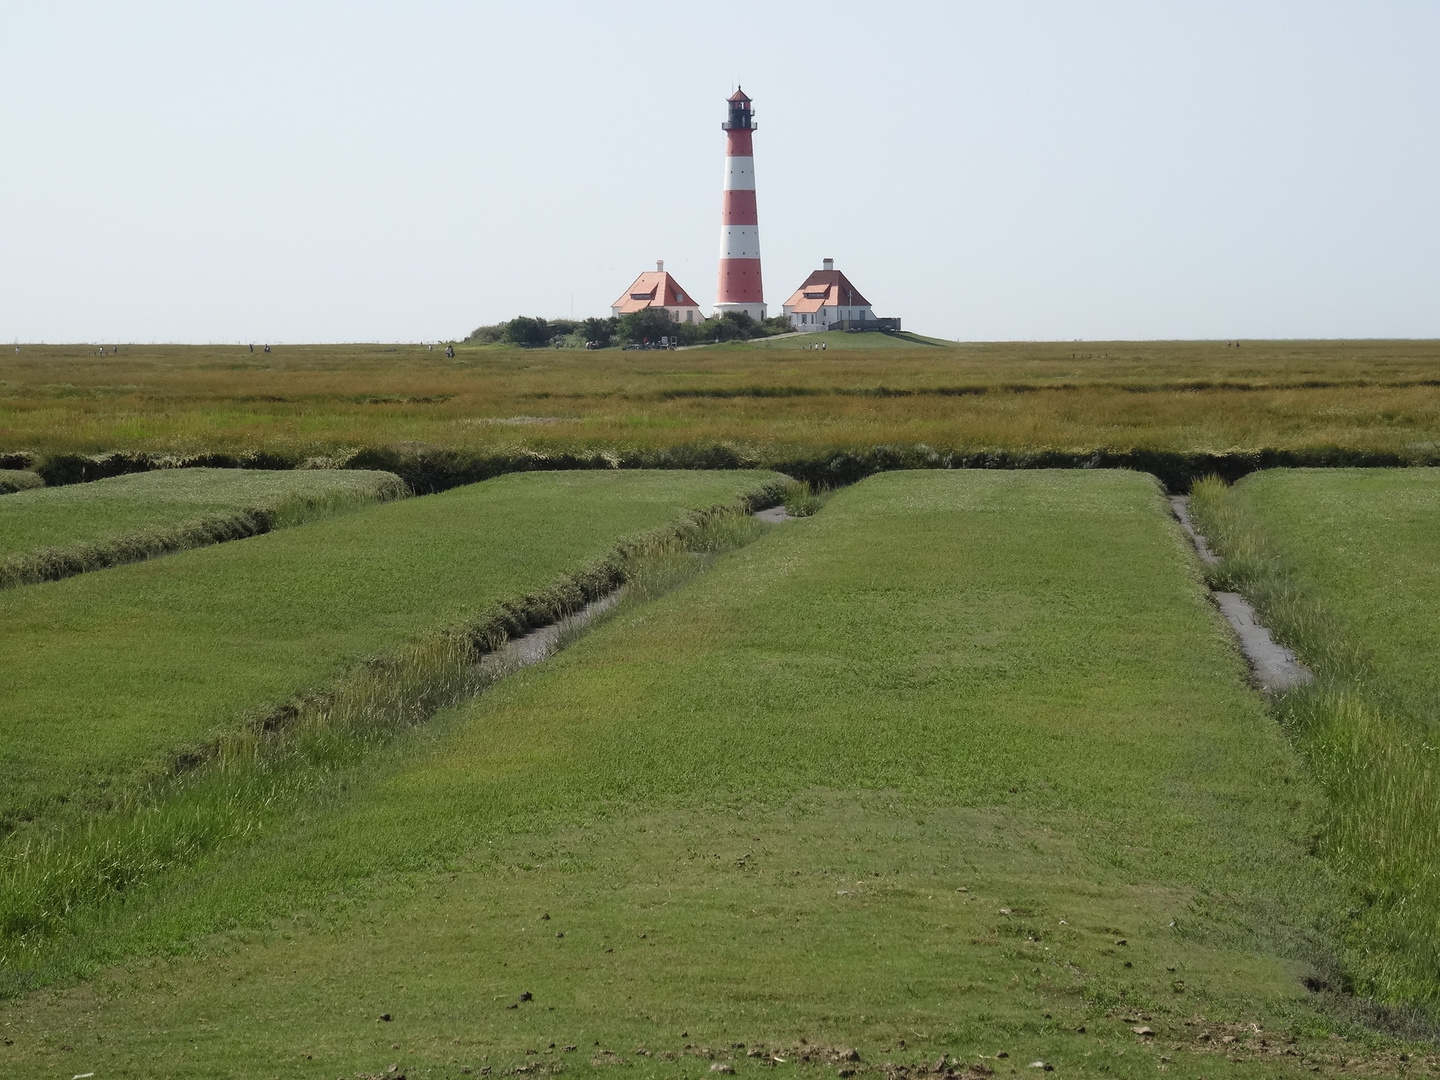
1182	396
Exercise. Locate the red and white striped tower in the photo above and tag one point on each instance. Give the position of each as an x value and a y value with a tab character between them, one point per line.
740	288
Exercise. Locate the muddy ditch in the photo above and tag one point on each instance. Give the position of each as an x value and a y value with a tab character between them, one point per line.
429	469
1273	666
544	641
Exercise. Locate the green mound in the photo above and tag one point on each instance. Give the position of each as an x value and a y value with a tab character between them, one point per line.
52	533
13	480
845	340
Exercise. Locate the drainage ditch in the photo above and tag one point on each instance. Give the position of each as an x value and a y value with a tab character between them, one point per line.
1273	666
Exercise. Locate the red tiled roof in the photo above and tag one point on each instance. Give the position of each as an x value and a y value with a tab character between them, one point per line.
655	288
825	288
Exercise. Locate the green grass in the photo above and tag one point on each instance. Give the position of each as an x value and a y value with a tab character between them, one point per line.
13	480
55	532
964	764
1344	565
117	676
801	500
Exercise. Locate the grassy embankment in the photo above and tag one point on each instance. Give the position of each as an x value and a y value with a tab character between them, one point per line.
782	406
964	766
13	480
115	682
1344	565
52	533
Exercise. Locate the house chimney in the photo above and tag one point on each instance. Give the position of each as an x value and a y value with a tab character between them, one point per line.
659	266
829	264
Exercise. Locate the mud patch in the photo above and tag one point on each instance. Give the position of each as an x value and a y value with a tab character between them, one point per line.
538	644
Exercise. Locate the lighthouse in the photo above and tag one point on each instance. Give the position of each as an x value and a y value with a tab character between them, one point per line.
740	288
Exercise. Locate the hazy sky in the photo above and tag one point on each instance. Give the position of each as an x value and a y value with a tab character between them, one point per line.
297	171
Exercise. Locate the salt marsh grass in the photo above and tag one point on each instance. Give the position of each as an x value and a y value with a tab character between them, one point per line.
49	534
164	658
301	401
1341	564
254	777
863	783
13	480
801	500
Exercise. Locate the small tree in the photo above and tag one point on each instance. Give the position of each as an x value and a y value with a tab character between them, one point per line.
487	335
647	324
599	330
735	326
523	330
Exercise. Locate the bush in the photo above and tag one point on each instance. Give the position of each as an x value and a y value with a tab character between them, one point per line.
647	325
636	327
526	332
599	331
487	335
800	499
12	480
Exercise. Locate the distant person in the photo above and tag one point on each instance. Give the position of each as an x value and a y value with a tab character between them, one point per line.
450	351
267	348
252	346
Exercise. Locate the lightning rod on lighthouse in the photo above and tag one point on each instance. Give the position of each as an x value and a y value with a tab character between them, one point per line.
740	287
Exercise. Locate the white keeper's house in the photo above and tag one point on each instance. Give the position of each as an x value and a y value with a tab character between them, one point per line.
657	289
829	301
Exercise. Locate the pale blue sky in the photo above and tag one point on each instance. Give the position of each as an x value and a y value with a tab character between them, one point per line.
304	171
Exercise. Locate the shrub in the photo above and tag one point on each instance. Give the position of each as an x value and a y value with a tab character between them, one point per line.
800	500
527	332
12	480
487	335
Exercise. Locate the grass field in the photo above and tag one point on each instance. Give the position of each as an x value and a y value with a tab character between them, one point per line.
50	533
1345	565
113	675
962	766
779	400
868	341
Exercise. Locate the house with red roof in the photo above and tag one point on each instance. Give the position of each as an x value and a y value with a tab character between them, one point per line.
829	301
657	289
